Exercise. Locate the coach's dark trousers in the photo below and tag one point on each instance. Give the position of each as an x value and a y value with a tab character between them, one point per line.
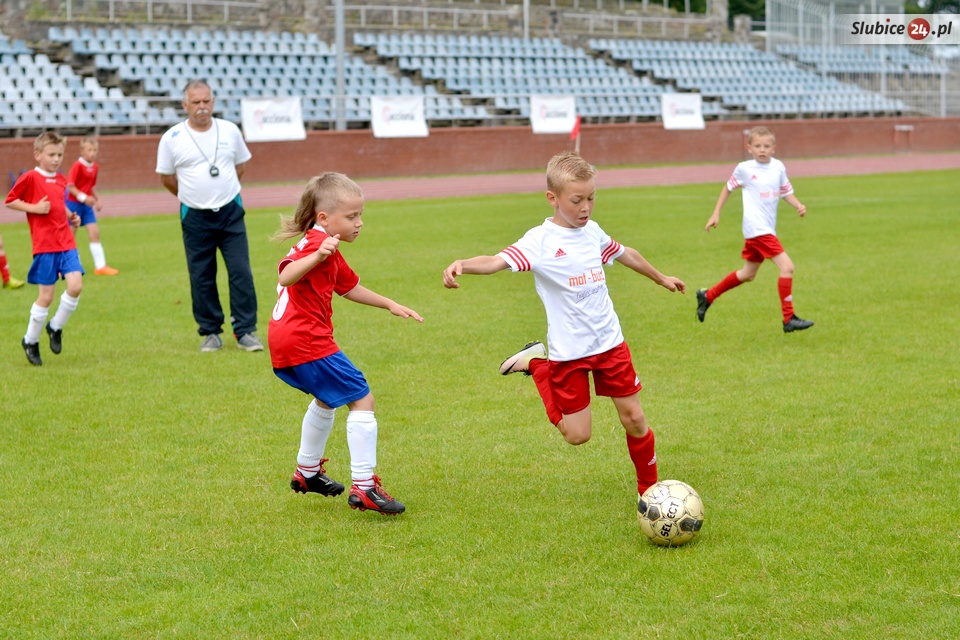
205	231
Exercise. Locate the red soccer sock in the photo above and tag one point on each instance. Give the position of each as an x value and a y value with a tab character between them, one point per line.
785	287
724	285
644	458
4	269
540	370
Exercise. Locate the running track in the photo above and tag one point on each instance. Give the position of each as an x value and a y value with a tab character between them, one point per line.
287	196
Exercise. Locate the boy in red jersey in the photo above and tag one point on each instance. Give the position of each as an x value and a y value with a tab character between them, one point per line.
302	349
82	199
567	254
40	194
764	182
8	281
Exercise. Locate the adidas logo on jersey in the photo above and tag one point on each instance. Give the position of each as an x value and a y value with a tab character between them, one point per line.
559	254
753	177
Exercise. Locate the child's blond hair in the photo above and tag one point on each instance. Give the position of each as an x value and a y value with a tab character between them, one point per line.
48	137
89	139
758	132
566	167
324	192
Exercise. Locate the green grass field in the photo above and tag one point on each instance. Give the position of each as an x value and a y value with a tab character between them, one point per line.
144	485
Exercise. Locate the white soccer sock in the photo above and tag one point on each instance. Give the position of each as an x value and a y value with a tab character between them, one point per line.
317	424
68	304
38	316
362	442
99	259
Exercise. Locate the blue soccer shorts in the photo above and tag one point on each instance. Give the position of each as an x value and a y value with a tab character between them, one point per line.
333	380
47	268
85	211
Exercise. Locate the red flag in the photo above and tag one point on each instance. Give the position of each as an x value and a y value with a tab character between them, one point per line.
576	129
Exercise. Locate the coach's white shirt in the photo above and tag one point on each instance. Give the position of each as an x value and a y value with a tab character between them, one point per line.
567	267
763	183
182	153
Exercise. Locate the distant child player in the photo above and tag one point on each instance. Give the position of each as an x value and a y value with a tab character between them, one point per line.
82	199
8	282
40	194
302	348
764	181
567	254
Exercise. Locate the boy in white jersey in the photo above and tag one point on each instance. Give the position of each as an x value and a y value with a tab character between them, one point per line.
764	181
567	254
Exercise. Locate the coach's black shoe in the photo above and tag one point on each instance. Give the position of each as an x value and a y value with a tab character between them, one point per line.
702	304
33	352
56	339
319	483
796	324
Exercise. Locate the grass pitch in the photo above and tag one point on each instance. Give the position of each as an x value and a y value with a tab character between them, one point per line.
144	485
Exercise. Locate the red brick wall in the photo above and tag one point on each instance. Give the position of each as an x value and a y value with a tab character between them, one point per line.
128	162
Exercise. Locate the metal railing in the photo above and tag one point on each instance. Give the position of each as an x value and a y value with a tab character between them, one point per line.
185	10
594	17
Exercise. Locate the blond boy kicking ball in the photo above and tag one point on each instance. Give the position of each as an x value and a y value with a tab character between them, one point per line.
764	182
567	255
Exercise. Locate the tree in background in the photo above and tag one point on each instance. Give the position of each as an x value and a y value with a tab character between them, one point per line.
932	6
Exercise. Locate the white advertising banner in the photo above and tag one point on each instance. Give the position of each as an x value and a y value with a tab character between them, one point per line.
398	117
682	111
553	114
270	119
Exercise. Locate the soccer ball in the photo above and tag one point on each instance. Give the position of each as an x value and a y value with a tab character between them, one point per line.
670	513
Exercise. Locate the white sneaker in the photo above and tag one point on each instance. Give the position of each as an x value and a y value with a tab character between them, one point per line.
520	362
211	343
249	342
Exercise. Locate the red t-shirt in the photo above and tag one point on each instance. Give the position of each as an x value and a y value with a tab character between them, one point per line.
301	327
50	232
83	177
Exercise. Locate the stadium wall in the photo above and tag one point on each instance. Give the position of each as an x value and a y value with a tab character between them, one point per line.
128	162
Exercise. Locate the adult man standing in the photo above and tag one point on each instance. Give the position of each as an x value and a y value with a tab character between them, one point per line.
201	161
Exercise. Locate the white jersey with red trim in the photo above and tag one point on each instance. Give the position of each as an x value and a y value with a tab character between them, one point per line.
763	184
567	267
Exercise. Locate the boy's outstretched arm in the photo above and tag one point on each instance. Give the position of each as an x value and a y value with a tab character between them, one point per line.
480	265
632	258
363	295
722	200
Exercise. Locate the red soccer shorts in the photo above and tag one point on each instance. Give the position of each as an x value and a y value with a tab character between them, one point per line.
760	248
613	377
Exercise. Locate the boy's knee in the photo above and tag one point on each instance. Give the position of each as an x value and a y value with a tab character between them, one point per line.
634	423
576	438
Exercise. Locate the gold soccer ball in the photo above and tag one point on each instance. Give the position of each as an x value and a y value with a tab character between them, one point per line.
670	513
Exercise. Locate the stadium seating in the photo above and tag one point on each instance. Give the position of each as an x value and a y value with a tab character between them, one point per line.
504	71
849	60
133	77
744	80
156	61
40	94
